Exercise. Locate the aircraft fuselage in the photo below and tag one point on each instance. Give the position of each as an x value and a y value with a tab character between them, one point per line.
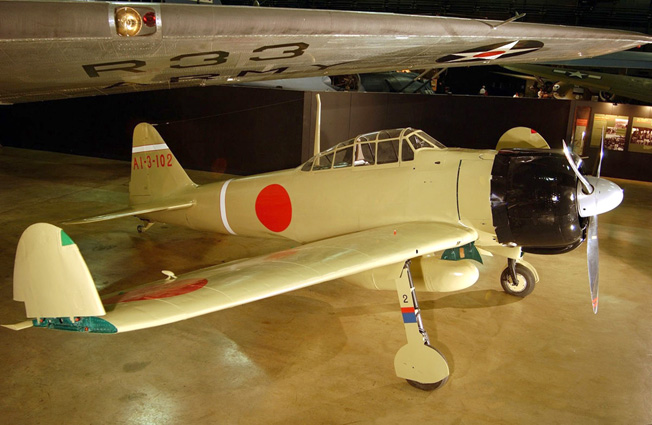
449	185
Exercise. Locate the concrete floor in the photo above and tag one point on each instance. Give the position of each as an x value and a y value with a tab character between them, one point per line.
322	355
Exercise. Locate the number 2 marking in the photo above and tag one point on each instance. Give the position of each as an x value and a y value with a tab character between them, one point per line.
405	298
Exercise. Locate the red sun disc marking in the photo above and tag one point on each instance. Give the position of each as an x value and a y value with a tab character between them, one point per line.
274	208
164	290
489	54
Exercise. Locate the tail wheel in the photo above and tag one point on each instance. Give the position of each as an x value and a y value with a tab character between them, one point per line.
524	284
427	387
144	225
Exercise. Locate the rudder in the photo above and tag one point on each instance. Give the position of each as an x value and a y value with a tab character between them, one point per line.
155	172
522	138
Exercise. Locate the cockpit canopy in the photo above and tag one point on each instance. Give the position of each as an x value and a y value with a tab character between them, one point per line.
379	147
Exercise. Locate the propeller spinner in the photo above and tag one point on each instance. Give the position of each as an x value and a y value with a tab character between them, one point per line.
594	196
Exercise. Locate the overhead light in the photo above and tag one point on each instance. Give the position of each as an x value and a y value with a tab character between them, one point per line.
135	21
128	21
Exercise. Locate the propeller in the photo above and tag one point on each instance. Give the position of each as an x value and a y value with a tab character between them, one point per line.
594	196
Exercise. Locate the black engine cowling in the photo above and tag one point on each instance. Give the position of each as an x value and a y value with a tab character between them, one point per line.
534	201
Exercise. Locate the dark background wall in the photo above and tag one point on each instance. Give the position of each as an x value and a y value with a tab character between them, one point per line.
244	131
224	129
456	121
473	122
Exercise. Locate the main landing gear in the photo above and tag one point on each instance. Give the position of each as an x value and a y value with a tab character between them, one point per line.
518	278
417	362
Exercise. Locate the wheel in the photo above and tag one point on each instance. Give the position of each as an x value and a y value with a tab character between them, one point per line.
525	284
427	387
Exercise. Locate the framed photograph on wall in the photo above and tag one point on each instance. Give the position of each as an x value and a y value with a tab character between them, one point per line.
614	128
641	140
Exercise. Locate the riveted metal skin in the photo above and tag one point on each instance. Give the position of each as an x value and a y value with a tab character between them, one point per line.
59	49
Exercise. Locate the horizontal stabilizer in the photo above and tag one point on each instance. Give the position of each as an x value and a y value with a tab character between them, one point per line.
137	210
51	277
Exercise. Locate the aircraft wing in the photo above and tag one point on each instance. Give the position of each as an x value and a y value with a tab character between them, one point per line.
54	50
624	85
210	289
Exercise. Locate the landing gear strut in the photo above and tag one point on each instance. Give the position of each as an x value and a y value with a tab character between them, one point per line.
417	362
518	278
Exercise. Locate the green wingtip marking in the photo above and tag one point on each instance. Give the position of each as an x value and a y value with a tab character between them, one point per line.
78	324
466	252
65	239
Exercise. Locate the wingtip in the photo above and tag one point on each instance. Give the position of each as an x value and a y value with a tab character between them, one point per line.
19	326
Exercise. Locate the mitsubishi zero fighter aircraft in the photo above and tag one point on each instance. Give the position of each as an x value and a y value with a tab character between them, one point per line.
58	49
368	210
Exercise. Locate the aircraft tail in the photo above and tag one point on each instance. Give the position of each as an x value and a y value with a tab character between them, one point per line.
155	172
522	137
51	277
156	179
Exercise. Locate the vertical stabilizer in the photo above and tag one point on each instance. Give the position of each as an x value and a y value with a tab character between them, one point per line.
51	277
155	172
522	138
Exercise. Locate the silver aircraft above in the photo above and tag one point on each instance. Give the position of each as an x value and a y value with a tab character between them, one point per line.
55	50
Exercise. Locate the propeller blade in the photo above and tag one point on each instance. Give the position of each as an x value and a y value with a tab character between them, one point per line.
587	186
601	154
592	245
592	257
596	196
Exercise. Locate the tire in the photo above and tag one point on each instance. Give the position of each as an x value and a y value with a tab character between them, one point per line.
525	284
427	387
